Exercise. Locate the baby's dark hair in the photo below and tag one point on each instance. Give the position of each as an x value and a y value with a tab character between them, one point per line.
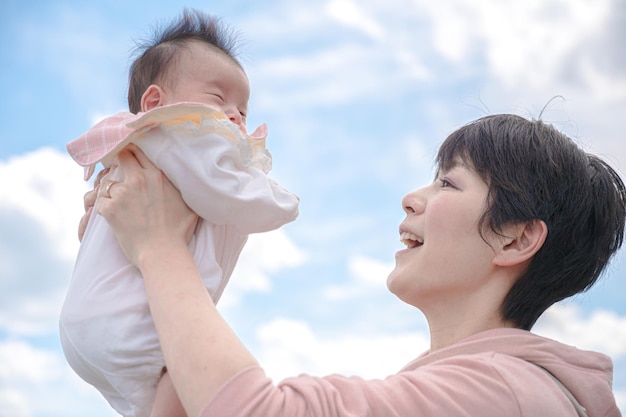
536	172
157	56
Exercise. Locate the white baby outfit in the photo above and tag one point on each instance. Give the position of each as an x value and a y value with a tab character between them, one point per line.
106	328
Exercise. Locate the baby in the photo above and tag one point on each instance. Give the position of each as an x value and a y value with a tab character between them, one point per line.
188	99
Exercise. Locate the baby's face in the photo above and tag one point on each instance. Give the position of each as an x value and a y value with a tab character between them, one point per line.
206	75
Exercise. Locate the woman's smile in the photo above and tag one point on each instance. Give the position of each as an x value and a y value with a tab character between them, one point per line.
411	240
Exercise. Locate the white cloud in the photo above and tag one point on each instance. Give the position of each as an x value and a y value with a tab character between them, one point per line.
602	331
453	26
289	347
30	373
346	68
46	186
40	205
32	314
263	254
349	13
24	363
524	42
604	87
369	271
296	18
339	74
366	276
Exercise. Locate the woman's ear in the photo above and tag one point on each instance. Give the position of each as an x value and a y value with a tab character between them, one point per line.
154	96
522	242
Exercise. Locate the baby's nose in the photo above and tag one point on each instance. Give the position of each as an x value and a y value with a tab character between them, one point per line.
233	115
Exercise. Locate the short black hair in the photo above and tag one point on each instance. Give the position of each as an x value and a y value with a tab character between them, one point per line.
535	172
157	55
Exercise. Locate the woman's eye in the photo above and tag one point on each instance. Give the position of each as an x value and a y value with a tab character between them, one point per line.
445	183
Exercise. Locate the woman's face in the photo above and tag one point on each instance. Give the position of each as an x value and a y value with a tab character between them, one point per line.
446	257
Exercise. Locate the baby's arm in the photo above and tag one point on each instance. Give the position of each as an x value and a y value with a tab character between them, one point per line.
207	170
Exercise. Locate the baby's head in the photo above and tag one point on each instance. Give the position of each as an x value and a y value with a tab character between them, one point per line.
191	60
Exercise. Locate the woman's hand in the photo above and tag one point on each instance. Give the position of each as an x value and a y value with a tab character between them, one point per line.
143	208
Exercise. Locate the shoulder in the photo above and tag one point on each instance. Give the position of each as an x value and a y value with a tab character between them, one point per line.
473	382
505	383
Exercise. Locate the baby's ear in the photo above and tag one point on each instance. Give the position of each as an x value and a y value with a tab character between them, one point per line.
521	243
152	97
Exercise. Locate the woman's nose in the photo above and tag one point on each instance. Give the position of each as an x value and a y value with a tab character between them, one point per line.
413	203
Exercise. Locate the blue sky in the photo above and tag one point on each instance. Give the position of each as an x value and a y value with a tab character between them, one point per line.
357	96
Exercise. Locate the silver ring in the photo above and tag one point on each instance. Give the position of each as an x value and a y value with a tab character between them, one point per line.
107	190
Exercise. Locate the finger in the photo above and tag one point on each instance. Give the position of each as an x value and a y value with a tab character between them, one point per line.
89	199
104	207
106	188
101	174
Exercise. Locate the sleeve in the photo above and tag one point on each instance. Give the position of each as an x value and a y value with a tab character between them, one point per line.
208	171
451	390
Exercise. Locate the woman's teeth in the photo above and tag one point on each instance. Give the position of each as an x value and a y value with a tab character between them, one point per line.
410	240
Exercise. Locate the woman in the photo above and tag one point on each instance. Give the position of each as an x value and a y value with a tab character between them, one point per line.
517	219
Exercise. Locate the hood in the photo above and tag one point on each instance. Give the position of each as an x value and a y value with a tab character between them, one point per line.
107	137
588	375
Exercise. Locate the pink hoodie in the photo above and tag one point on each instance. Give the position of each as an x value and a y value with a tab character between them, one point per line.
493	373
